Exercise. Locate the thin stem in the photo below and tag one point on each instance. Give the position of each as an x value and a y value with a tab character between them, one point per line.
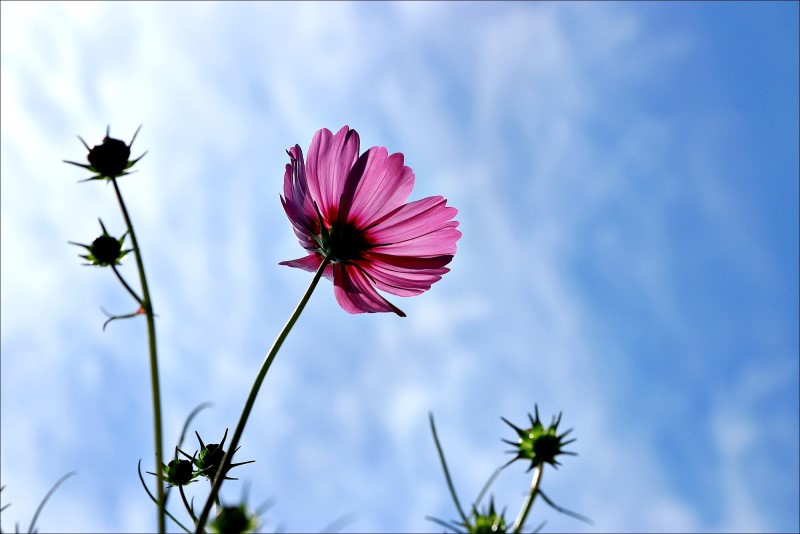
147	305
564	511
186	504
488	485
46	497
124	283
447	472
528	503
251	399
147	490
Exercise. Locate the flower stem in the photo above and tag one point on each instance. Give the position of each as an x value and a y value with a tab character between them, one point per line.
528	503
251	399
147	305
125	284
186	504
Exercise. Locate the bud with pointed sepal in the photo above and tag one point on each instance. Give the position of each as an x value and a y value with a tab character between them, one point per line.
538	443
105	250
109	159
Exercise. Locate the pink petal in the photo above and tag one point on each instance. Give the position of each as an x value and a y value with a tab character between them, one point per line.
355	293
436	243
377	184
310	263
299	219
412	220
411	264
404	284
295	186
330	158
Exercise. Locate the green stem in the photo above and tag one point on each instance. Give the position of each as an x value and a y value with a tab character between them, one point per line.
125	284
186	504
44	501
147	305
447	472
528	504
251	399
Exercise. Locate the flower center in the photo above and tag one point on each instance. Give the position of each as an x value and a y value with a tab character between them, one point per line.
344	243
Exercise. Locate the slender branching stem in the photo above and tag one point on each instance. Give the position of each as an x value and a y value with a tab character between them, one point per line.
125	284
528	503
251	399
147	305
149	494
186	504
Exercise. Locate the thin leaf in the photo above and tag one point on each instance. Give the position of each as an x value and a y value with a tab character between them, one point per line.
46	497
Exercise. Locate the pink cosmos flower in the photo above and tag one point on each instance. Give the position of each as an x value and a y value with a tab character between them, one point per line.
352	210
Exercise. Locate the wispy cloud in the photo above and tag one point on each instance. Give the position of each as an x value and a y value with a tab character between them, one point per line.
569	288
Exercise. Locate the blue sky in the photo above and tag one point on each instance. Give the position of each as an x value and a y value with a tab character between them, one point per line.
627	183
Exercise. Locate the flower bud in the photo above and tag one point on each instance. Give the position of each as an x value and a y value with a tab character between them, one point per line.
179	472
109	159
488	521
234	520
105	250
538	444
210	458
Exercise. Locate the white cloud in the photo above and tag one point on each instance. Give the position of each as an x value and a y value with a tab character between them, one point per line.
494	107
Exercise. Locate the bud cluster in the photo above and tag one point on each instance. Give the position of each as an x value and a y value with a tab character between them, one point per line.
205	462
538	444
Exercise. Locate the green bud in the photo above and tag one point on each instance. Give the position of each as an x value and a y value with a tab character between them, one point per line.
538	443
210	458
179	472
488	521
234	520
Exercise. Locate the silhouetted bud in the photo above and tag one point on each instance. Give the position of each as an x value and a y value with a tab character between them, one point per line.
105	250
109	159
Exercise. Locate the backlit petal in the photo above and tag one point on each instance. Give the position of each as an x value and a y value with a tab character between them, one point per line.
435	243
377	185
412	220
310	263
355	293
330	158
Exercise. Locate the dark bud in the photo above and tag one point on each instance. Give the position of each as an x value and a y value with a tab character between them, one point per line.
210	458
234	520
179	472
109	159
105	250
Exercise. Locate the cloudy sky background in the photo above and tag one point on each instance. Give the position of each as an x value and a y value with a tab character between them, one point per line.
627	183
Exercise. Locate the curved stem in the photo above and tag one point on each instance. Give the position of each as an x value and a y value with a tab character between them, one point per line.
488	485
186	504
528	504
251	399
147	490
125	284
447	472
147	305
44	501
